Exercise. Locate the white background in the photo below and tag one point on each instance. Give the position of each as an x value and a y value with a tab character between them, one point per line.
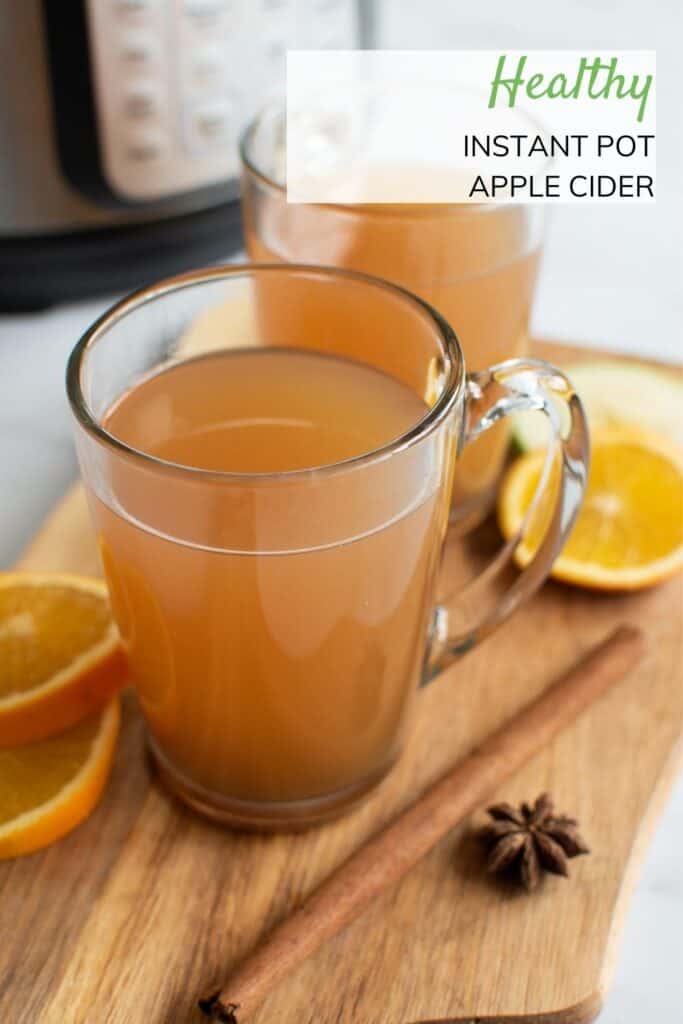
611	276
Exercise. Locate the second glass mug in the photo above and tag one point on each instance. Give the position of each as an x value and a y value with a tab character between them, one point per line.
476	263
278	625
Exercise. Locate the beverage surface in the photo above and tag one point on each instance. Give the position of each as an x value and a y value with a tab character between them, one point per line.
264	410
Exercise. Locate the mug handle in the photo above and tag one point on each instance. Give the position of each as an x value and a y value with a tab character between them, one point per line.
526	384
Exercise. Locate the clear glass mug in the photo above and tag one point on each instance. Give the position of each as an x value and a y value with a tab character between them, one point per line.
278	625
477	264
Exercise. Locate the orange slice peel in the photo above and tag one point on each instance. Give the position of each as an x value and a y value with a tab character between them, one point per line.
629	532
50	787
60	655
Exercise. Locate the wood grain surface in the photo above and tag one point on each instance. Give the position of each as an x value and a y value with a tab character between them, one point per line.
145	907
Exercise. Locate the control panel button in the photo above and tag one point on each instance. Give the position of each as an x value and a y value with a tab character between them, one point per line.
141	102
134	6
211	124
206	13
201	7
275	50
138	50
146	147
207	68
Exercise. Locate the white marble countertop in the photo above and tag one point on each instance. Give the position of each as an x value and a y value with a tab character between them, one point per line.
611	277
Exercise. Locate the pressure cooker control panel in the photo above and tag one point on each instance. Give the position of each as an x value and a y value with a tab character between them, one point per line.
172	83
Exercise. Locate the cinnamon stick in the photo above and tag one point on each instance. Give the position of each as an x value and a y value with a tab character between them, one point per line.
389	855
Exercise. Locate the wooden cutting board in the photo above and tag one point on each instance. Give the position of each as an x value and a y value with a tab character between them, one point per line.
145	907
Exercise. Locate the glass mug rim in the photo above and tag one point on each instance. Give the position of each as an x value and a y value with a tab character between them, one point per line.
450	210
451	396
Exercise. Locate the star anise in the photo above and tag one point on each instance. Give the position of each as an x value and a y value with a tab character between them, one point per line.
529	840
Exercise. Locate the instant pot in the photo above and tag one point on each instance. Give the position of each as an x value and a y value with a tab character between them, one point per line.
119	122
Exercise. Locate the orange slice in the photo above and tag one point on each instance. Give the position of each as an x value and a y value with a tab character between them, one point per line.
60	657
629	532
49	787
